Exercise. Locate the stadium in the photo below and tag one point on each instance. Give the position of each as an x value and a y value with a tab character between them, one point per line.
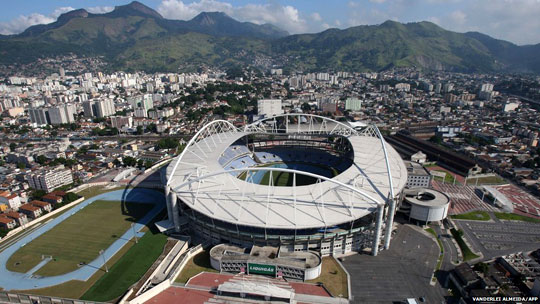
295	181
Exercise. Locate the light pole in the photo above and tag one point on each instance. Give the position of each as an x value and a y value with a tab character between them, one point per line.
134	233
104	261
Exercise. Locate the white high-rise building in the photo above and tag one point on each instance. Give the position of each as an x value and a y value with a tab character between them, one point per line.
101	108
38	116
62	114
49	180
353	104
269	107
105	108
486	87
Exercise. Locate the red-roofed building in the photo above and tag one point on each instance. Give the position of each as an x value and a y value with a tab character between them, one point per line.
51	198
7	223
20	218
45	207
30	210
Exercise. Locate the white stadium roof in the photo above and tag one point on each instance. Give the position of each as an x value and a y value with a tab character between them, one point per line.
204	185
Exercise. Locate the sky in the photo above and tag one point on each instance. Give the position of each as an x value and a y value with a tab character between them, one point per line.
517	21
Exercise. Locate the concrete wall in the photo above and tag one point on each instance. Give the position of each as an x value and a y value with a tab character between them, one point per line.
428	214
313	273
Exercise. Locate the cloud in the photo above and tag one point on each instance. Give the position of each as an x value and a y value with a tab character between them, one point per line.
512	20
100	9
286	17
22	22
316	17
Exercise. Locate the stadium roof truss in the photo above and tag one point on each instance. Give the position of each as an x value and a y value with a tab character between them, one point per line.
203	184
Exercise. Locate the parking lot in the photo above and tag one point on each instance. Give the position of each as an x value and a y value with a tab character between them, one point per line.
403	271
498	238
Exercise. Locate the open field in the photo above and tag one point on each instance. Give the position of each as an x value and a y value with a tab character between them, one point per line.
516	217
79	238
75	289
197	264
447	179
129	268
333	277
96	190
473	216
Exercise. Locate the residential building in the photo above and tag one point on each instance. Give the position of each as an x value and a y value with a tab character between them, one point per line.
45	207
269	107
19	217
31	211
12	200
353	104
7	223
38	116
49	180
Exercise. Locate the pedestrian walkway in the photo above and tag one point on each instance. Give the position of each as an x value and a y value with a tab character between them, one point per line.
22	281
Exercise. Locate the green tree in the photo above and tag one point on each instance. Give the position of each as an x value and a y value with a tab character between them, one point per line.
12	146
129	161
41	159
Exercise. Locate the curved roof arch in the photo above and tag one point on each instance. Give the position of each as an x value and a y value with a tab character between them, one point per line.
201	182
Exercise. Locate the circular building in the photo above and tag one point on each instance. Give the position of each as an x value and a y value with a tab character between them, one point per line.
426	205
298	182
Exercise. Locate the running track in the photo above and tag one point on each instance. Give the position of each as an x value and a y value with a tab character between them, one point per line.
22	281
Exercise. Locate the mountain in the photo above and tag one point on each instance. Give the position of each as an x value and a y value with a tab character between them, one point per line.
390	44
136	37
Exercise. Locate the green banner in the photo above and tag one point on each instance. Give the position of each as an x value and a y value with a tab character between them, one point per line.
262	269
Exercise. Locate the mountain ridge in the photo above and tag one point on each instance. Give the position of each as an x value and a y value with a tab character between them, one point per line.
134	36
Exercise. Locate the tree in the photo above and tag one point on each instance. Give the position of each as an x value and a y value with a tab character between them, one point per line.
12	146
21	165
54	133
70	197
436	139
129	161
41	159
152	128
140	163
139	130
305	107
38	193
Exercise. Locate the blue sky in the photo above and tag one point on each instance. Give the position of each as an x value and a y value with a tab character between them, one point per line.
517	21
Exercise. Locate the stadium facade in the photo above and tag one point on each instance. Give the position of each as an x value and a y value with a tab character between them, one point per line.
295	181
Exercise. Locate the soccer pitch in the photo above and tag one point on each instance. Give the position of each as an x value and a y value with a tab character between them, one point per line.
79	238
286	178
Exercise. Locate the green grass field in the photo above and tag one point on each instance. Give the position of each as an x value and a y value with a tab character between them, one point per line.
333	277
515	217
448	179
77	239
96	190
196	265
74	289
129	268
473	216
465	250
